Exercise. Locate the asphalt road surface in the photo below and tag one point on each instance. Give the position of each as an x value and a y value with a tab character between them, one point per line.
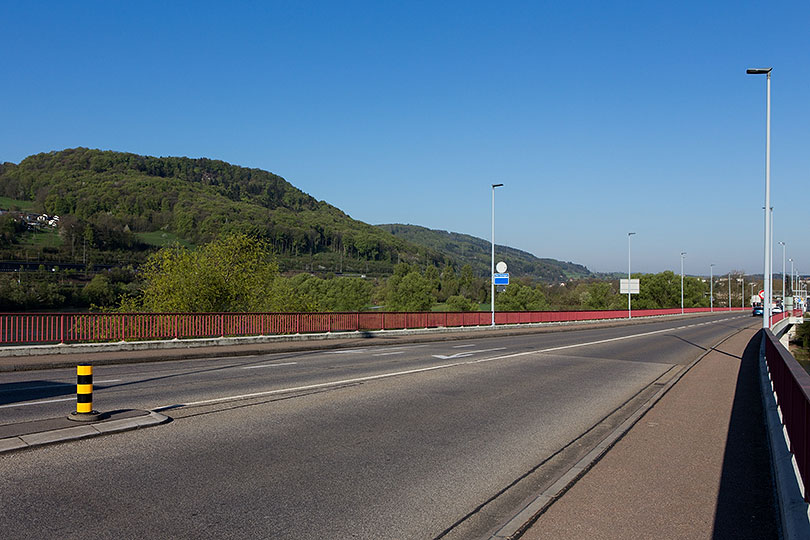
441	439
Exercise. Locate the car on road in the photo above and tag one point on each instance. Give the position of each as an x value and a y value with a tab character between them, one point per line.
757	310
777	308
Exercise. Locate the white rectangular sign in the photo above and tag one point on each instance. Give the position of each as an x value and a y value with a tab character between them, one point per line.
633	286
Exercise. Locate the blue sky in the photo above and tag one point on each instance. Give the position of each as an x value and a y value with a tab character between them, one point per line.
599	117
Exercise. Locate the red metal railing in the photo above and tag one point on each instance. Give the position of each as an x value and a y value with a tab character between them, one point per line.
791	383
40	328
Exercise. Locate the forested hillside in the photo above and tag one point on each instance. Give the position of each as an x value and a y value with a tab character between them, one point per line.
477	253
114	199
115	208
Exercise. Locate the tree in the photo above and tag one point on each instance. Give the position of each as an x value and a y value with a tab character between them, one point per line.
448	284
10	229
600	295
519	297
460	303
409	293
100	292
235	273
432	276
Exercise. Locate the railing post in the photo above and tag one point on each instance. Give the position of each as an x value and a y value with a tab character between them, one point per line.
62	329
222	325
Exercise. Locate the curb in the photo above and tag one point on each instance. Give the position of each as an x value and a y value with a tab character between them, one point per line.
523	520
83	431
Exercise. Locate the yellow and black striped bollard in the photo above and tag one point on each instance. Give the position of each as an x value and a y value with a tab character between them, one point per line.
84	394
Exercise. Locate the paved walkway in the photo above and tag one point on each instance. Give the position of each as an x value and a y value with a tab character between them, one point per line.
695	466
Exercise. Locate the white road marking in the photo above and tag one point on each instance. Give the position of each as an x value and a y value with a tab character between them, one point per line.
466	353
399	373
463	346
346	351
26	404
402	348
369	378
389	353
307	387
44	386
271	365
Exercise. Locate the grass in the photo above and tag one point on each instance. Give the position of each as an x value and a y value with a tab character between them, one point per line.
9	204
801	355
46	238
162	239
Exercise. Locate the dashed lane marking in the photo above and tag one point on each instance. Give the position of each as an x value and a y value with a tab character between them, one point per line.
271	365
466	353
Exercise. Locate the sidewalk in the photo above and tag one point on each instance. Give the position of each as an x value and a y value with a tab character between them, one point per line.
695	466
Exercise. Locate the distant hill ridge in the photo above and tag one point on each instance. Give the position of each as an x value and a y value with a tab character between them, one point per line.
477	252
119	201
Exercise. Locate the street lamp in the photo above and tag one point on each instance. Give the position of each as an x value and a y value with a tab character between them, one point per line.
783	272
711	287
766	311
683	253
798	279
792	283
729	291
629	314
492	273
770	263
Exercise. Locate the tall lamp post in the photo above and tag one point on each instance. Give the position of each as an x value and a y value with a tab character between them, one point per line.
783	273
629	313
770	263
683	253
492	273
766	311
729	291
711	287
792	283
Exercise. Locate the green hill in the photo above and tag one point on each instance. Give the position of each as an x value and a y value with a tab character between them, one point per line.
466	249
124	199
115	208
